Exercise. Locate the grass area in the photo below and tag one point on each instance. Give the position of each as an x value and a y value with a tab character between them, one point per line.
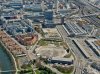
26	69
65	70
28	66
25	72
43	70
44	42
37	72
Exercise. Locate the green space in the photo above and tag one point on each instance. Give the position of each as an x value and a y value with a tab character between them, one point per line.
65	70
44	42
25	72
43	70
37	72
26	69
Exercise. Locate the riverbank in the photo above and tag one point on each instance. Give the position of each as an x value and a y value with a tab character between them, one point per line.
15	50
10	56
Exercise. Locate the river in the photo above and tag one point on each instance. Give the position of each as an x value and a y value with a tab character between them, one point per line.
5	61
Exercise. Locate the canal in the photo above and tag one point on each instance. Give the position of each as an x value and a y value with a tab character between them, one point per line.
5	61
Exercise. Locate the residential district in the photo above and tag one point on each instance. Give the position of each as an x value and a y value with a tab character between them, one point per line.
50	36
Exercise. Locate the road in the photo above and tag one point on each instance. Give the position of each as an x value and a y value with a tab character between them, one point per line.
80	61
73	48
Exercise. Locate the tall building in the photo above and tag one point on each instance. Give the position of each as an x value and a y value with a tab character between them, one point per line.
48	14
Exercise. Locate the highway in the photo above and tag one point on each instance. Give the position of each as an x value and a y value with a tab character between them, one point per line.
73	48
80	62
65	37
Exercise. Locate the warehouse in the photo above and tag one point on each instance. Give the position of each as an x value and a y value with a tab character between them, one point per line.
73	29
95	45
18	27
54	60
82	50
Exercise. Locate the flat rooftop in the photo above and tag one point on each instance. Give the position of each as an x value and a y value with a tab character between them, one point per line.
73	28
19	27
62	59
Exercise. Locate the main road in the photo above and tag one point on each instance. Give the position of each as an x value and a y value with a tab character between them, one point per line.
74	49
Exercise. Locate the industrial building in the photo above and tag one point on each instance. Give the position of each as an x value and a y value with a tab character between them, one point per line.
82	50
8	15
96	65
50	6
33	7
95	45
48	14
18	28
48	19
73	29
48	24
54	60
16	5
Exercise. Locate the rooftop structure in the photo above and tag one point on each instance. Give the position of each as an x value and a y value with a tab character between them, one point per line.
48	24
8	15
68	61
96	65
48	14
57	20
65	7
95	45
83	51
11	44
18	27
33	7
73	29
16	5
27	39
88	28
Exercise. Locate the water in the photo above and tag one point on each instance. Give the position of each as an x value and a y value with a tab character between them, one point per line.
5	62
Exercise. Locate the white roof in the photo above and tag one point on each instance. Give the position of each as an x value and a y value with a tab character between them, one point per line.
62	59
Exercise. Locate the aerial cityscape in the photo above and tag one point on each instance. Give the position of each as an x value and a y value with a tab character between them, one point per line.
49	36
